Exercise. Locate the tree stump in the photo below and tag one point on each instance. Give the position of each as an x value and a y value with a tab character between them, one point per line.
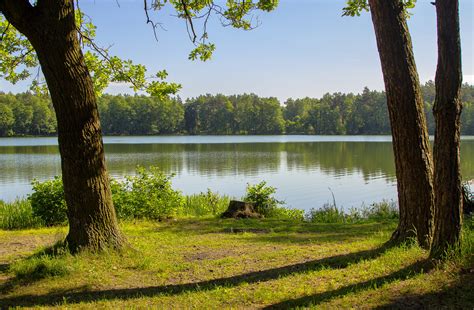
241	209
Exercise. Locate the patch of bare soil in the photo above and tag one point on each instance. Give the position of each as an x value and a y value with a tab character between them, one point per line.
16	247
209	254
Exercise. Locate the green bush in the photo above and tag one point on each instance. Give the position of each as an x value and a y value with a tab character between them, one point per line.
261	195
203	204
262	198
48	202
18	215
147	195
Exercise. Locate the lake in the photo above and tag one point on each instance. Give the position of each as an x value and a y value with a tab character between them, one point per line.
304	169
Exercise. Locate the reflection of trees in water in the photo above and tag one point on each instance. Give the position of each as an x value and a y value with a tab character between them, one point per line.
372	160
234	159
338	159
26	163
335	158
203	159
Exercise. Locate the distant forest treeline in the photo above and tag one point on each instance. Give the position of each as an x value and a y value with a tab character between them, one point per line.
337	113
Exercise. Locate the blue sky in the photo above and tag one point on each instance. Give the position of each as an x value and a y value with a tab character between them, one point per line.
304	48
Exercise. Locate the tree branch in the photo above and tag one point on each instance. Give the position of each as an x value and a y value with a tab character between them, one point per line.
188	17
4	32
18	13
20	57
148	19
105	55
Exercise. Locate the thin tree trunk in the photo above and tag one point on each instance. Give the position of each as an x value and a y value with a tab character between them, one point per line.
447	112
50	27
411	148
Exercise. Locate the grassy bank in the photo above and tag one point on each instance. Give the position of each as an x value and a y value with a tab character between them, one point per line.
213	263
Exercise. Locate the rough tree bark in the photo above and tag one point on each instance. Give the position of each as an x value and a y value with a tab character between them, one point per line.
447	112
51	29
411	148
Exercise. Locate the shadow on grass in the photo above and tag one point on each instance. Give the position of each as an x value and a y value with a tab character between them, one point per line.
4	267
36	267
87	295
314	300
458	295
274	230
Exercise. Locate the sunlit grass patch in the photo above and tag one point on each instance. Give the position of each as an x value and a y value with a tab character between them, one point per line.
18	215
216	263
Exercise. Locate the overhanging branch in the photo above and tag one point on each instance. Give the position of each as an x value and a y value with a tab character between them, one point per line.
17	12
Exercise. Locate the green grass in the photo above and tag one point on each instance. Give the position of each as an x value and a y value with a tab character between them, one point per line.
330	213
214	263
205	204
18	215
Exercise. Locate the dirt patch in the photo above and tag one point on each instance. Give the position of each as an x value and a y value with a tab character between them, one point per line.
200	254
14	247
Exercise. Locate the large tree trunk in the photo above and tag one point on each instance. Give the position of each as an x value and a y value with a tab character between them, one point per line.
410	135
447	112
50	27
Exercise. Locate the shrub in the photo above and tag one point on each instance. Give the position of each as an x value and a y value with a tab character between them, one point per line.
208	203
18	215
262	198
261	195
148	195
48	202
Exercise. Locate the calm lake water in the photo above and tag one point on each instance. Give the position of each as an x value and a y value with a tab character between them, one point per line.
305	169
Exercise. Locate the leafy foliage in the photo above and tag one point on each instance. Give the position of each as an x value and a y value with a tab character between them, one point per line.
355	7
196	13
18	58
203	52
148	194
261	195
16	54
48	201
